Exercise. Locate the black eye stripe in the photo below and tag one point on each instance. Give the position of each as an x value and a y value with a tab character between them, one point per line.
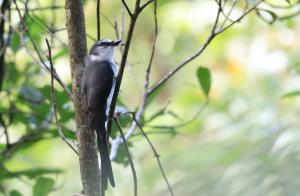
105	43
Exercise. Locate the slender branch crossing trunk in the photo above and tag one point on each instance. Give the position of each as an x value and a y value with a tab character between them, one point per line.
89	166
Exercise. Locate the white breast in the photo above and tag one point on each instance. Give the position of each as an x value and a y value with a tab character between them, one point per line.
109	100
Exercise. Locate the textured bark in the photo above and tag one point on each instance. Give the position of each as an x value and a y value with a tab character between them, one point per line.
89	166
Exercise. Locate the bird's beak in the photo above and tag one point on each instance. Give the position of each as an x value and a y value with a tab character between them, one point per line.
116	43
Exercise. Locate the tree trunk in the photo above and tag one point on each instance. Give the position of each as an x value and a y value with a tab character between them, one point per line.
89	166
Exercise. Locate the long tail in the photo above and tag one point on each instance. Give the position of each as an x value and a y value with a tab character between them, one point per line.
106	169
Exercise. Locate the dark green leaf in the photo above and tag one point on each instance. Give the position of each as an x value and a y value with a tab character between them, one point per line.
15	42
204	79
122	157
34	28
30	173
2	146
15	193
43	186
67	133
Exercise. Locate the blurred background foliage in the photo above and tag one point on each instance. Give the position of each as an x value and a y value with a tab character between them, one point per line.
244	141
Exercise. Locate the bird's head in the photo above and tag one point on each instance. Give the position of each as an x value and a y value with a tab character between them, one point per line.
103	49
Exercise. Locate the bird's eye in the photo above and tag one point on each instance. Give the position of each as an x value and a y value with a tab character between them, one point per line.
104	43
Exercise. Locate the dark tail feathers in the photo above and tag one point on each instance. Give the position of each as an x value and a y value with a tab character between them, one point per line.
106	169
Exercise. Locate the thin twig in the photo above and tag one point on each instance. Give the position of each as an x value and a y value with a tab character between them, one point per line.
119	35
156	155
42	8
240	18
98	20
56	76
147	77
146	4
127	8
129	156
53	101
183	124
201	49
116	143
227	16
47	29
122	66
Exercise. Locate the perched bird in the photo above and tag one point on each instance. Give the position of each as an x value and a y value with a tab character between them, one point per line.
97	88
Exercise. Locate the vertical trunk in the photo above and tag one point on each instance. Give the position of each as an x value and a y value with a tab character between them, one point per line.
89	166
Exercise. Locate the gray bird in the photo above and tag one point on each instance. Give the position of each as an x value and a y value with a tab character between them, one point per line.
97	87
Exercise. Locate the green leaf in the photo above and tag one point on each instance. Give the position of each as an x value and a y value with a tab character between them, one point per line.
62	53
15	193
204	79
122	157
291	94
288	1
263	14
15	42
43	186
30	173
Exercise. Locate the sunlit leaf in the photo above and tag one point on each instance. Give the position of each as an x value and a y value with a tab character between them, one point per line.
291	94
267	15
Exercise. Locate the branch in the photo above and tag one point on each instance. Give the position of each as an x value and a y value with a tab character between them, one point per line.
89	165
122	66
147	77
129	156
118	141
53	102
156	155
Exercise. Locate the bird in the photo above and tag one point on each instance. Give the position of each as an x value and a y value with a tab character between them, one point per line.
97	89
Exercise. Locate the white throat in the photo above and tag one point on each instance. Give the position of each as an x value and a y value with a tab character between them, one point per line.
104	55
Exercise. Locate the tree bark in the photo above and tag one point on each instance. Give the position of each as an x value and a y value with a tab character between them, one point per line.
89	166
